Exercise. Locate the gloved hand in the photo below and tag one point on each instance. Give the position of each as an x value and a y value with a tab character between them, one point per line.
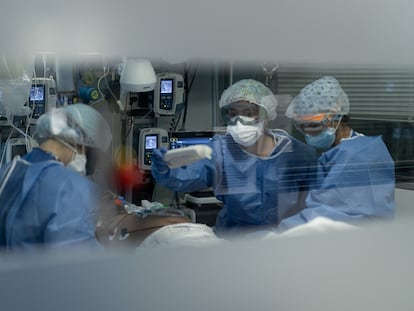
157	160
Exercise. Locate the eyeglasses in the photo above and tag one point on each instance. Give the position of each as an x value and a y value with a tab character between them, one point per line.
246	115
243	120
310	128
315	124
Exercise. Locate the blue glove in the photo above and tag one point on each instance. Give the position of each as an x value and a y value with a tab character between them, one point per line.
157	160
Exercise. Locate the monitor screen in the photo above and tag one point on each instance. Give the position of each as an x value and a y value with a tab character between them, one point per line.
151	141
14	147
189	138
37	93
18	150
166	86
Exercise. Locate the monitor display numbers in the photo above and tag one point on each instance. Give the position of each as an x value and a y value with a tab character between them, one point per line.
150	141
166	86
37	93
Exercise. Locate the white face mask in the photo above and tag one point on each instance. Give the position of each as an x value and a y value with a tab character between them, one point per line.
245	135
78	163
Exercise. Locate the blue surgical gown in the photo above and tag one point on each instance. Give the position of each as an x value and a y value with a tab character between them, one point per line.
356	182
254	191
51	205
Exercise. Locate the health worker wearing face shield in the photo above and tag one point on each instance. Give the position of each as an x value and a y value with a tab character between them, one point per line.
260	175
46	200
355	180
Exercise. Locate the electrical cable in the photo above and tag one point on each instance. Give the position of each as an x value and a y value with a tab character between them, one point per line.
187	89
98	84
109	88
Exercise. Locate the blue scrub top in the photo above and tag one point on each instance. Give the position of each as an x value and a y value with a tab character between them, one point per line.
254	191
356	181
51	205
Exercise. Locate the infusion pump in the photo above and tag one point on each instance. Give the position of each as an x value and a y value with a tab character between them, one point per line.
42	97
149	139
168	93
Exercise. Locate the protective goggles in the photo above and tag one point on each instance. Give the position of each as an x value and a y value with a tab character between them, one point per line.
246	116
316	123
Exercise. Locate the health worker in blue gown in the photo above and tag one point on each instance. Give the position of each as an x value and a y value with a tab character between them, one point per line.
355	180
45	197
260	175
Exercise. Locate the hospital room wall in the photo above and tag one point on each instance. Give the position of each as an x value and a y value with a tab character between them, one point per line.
366	86
200	102
210	79
209	83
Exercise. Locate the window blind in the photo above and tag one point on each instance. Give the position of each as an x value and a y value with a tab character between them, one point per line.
385	94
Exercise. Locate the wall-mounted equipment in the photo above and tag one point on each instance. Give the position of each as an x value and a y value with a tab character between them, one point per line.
150	139
137	82
138	75
168	93
42	96
14	147
88	94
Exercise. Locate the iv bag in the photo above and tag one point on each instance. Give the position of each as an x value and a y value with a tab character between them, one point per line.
15	83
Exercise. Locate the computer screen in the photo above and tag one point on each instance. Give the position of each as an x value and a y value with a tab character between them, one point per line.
189	138
203	201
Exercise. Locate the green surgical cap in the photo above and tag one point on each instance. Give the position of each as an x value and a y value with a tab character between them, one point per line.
251	91
78	123
321	96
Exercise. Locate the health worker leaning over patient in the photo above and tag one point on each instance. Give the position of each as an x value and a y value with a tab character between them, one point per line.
46	200
260	175
355	172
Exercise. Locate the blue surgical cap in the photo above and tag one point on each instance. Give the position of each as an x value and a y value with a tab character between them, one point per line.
79	124
251	91
321	96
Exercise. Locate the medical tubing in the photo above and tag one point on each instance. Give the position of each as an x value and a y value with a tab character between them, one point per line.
7	176
5	64
3	153
109	88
